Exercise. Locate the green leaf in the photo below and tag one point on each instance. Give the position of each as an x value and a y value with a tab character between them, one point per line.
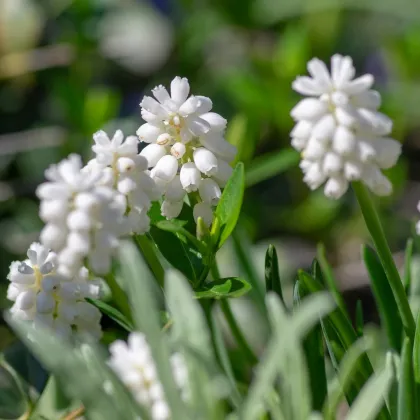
228	287
176	226
191	335
408	255
13	402
113	313
416	351
406	388
139	282
223	357
372	396
360	323
81	372
328	276
181	255
272	276
387	307
230	203
313	348
346	376
341	336
269	165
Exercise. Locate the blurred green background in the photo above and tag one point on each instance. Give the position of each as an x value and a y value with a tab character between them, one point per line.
69	68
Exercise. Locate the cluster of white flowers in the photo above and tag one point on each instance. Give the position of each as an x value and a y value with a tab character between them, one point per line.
126	171
84	218
48	299
339	130
133	363
187	152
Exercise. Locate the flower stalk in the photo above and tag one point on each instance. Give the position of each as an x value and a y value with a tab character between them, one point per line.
376	231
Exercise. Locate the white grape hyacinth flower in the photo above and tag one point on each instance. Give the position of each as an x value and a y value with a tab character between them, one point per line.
340	132
133	363
45	298
84	219
127	172
186	147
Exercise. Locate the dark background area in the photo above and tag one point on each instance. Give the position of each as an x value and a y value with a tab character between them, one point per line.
69	68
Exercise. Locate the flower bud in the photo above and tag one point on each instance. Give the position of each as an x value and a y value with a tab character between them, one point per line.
190	177
178	150
205	161
209	191
166	168
153	153
171	209
174	190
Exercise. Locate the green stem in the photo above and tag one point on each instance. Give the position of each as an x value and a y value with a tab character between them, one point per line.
118	295
233	325
376	231
148	250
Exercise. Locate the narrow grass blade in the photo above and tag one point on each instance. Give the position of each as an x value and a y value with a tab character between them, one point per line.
406	388
360	323
313	348
139	281
372	396
408	255
384	297
272	276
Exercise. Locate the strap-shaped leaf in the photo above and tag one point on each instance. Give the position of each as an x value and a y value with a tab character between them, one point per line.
406	388
272	275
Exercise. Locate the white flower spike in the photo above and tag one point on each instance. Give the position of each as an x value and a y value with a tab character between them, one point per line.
133	363
339	130
45	298
186	140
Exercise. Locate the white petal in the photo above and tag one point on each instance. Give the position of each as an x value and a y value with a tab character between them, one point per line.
53	210
318	70
335	187
161	94
224	172
367	152
314	176
26	300
151	118
332	164
180	89
52	191
353	170
198	126
45	303
153	153
218	145
347	116
299	143
178	150
324	129
209	191
125	164
118	138
153	106
166	168
370	99
190	177
205	161
344	141
171	209
189	107
216	121
307	86
379	123
344	70
358	85
388	152
148	133
309	109
302	129
79	242
101	138
314	150
53	236
126	185
79	220
378	183
204	211
160	410
174	190
204	105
